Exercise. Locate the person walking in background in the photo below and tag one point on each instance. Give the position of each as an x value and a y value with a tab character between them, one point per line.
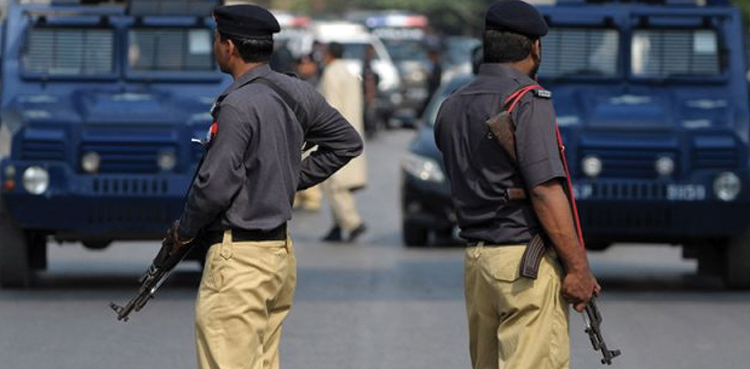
241	199
343	91
435	77
370	80
509	202
311	198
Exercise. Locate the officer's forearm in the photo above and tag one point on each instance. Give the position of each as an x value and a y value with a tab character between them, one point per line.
553	210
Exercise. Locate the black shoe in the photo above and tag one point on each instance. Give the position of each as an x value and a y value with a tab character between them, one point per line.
334	235
356	232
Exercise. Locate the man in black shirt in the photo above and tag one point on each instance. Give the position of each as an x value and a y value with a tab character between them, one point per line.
514	321
242	196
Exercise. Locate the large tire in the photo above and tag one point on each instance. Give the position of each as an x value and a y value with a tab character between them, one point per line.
414	236
15	266
37	244
737	262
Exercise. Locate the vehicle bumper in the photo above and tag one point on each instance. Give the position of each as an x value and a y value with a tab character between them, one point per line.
426	204
644	212
116	206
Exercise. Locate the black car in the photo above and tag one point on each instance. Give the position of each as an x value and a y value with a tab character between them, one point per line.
425	192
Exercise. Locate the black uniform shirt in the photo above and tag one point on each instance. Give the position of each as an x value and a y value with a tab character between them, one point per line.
477	167
254	165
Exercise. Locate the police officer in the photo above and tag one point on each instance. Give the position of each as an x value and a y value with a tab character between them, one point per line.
242	197
514	321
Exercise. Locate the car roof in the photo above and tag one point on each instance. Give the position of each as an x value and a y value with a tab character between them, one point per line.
344	32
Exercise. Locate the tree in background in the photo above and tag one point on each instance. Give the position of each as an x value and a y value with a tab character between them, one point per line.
745	6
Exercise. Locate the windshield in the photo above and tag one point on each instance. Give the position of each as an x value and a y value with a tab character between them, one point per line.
356	51
580	51
458	50
170	50
67	51
445	90
405	50
663	53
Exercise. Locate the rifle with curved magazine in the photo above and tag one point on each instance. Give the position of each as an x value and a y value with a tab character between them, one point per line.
503	129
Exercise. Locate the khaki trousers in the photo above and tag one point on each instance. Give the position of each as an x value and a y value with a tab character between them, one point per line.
245	294
308	199
342	205
515	322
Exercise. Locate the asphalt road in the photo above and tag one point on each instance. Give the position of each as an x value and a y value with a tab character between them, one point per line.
374	304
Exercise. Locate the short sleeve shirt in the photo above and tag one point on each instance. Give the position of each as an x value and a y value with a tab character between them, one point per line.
254	165
478	168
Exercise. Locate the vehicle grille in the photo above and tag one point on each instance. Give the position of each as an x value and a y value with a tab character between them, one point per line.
129	186
623	218
126	157
41	149
716	159
632	163
133	215
635	190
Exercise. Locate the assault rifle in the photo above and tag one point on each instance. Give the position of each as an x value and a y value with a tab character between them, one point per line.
157	273
161	267
503	130
593	321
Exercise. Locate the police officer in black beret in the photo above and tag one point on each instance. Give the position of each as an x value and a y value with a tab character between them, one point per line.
242	197
507	201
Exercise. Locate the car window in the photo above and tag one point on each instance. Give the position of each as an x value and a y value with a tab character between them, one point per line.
667	52
401	50
580	51
356	50
445	90
170	50
68	51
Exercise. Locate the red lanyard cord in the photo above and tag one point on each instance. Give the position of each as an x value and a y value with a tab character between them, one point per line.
513	100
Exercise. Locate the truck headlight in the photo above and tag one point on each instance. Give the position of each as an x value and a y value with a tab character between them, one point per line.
727	186
591	166
166	160
664	166
423	168
35	180
90	162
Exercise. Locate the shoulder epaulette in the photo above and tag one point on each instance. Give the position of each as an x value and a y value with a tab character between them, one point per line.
544	94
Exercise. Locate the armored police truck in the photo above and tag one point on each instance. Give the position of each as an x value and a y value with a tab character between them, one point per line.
653	106
98	106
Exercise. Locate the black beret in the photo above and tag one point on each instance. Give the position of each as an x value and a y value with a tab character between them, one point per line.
515	16
245	21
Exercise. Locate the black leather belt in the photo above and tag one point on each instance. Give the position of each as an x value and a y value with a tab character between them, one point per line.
474	243
244	235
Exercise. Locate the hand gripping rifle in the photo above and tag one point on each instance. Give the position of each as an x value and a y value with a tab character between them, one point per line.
157	273
503	129
593	321
161	267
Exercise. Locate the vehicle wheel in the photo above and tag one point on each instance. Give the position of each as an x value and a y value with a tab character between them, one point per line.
414	236
37	244
96	244
597	245
737	262
15	266
711	259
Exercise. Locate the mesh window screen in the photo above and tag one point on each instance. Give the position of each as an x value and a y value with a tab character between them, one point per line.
170	50
576	51
67	51
675	52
